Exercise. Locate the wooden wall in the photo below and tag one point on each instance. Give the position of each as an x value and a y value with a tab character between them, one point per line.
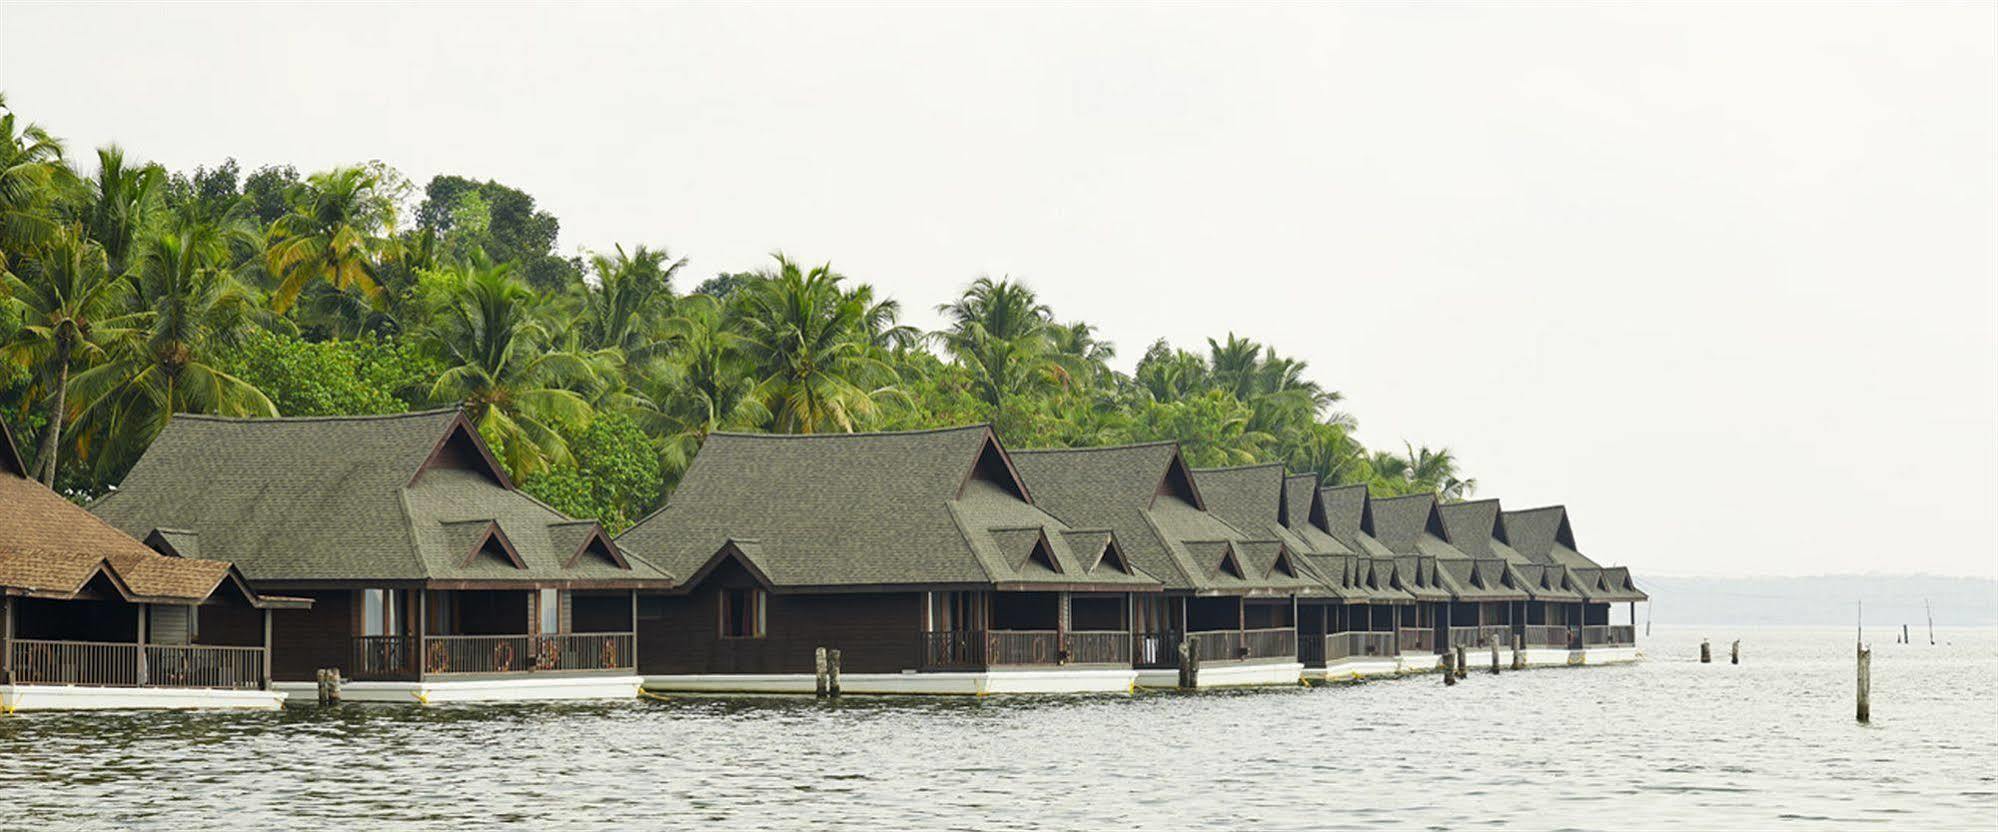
876	633
302	641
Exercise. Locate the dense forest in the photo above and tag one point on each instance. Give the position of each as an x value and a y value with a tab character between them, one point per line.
135	293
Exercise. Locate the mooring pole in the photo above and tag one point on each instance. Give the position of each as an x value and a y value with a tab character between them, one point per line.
1865	685
329	686
832	673
1734	653
821	689
1932	621
1462	664
1706	652
1495	659
1518	652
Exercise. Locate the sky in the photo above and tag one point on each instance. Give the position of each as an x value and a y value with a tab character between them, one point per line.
1722	279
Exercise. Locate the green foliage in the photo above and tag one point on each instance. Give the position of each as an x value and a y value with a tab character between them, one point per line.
367	376
613	474
135	294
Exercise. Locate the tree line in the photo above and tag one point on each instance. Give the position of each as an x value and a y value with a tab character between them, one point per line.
135	293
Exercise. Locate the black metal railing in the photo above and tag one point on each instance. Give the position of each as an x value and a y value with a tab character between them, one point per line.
112	664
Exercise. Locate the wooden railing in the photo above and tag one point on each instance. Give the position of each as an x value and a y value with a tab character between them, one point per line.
110	664
976	649
1274	643
407	657
1155	650
1480	636
1549	635
1418	640
1609	635
1349	644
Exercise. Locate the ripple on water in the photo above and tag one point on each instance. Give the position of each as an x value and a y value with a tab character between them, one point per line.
1668	742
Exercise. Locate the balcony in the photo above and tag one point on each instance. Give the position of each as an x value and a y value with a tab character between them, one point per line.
116	664
1481	636
981	649
1418	640
1351	644
407	658
1553	636
1609	635
1161	650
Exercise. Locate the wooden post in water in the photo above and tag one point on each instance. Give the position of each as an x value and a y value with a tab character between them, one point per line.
1865	685
1462	665
1904	634
1734	653
1518	652
1189	665
1449	673
1932	621
329	686
1495	660
832	673
822	689
1706	652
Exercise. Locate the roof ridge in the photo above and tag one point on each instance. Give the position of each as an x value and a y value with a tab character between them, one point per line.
1249	467
1130	446
1554	507
914	432
366	417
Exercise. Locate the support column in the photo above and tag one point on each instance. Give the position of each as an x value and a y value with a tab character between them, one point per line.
422	632
145	612
267	650
6	639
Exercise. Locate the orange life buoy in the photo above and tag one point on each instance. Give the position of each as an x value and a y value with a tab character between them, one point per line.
439	658
548	654
503	657
610	653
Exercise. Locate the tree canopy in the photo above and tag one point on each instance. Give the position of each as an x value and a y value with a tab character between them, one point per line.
135	293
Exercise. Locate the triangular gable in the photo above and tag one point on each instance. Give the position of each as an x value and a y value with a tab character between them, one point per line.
1283	564
1230	564
746	553
486	539
462	448
1113	554
10	456
175	543
1178	482
994	466
1565	534
1041	555
598	544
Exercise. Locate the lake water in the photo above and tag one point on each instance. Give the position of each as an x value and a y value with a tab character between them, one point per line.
1666	742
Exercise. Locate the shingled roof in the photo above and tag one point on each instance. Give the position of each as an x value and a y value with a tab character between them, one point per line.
50	548
1148	496
1258	501
914	509
1544	536
1411	526
1474	528
1374	567
411	498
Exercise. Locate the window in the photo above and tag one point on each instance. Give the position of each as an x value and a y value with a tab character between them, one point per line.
381	612
742	613
551	610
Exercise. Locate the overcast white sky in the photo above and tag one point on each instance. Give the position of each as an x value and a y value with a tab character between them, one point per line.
1719	278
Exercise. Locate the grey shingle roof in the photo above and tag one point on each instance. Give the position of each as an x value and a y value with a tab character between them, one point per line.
1146	494
375	498
915	508
1411	525
1257	500
1474	528
1544	536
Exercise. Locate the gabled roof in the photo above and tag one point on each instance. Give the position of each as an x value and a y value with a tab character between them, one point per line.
1412	525
1257	500
306	501
1161	512
1544	536
837	511
49	547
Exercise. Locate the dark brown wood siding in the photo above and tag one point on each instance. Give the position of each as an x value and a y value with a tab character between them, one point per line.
302	641
874	632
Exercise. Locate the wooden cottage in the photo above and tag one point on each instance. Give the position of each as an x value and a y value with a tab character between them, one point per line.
433	578
921	556
94	618
1405	593
1230	595
1348	631
1479	590
1545	537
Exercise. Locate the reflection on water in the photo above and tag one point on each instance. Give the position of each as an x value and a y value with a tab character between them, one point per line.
1771	743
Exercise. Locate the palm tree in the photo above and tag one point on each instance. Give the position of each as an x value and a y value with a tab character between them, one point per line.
705	385
1082	356
813	347
191	307
32	178
999	331
503	367
330	235
68	301
1436	471
126	205
626	306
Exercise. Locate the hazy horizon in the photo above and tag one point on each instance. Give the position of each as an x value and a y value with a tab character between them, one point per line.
1719	279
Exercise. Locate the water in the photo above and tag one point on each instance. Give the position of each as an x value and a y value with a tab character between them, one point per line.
1668	742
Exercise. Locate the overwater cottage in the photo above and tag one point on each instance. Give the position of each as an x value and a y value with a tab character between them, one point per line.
922	556
1478	588
1545	537
1230	595
432	577
1474	527
92	618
